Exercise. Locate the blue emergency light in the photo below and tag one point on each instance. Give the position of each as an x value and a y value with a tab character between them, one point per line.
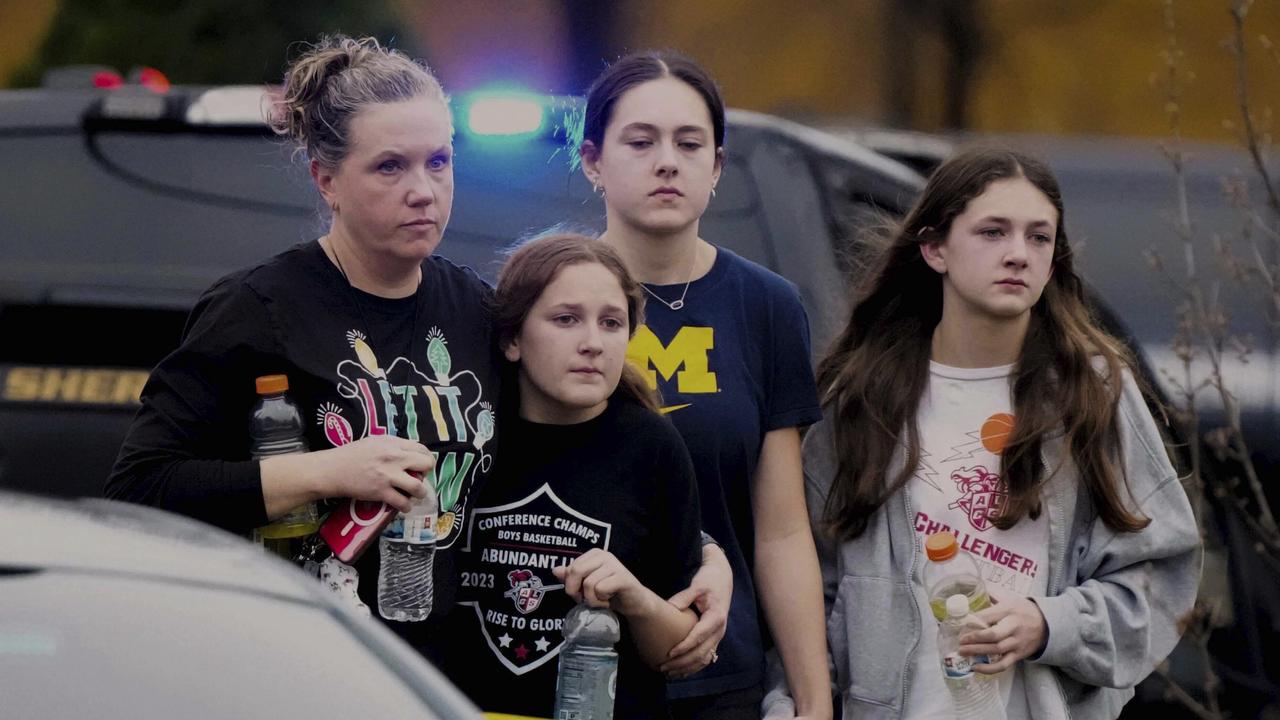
503	114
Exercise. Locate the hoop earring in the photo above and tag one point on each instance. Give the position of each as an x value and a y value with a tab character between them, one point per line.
598	189
713	191
333	209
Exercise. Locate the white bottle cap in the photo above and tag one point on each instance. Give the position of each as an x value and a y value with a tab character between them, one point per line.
957	606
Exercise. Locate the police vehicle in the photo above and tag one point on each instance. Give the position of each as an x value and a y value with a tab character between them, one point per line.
121	202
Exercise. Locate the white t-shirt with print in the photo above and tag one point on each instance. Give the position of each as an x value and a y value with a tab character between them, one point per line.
965	417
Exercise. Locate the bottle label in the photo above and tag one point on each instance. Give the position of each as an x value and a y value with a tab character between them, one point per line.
956	666
418	530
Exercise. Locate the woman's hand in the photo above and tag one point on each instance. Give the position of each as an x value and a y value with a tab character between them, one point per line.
1016	630
599	579
710	590
382	467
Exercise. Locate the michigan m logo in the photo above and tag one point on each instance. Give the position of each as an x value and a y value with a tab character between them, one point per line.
685	358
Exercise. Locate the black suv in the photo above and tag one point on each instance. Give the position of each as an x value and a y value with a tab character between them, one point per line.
118	207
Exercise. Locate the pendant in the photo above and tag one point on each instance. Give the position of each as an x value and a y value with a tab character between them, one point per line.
676	305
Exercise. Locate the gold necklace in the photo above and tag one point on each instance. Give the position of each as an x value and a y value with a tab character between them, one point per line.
397	428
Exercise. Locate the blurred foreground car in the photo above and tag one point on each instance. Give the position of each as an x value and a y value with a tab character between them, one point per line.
119	206
109	610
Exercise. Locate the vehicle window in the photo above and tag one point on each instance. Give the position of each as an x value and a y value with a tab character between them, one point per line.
857	214
163	213
155	649
509	190
735	217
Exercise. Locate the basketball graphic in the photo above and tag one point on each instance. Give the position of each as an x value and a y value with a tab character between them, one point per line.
995	432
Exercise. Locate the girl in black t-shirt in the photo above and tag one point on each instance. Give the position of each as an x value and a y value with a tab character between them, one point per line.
599	498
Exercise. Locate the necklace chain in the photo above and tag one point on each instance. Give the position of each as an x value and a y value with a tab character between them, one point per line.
676	304
368	329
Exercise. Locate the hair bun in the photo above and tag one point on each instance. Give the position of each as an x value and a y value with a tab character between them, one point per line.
330	81
307	79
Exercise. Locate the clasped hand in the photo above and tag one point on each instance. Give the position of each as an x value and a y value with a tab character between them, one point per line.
1015	630
599	579
379	468
710	592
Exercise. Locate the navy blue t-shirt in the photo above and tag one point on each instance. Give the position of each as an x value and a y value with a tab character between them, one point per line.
731	365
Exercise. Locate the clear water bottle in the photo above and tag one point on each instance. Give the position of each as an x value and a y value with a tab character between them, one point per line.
275	428
949	572
588	677
408	550
973	694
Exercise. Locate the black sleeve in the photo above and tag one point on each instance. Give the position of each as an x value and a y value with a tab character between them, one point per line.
678	530
188	448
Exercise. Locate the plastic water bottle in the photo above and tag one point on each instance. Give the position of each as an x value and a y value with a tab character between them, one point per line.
973	695
408	550
949	572
275	428
588	676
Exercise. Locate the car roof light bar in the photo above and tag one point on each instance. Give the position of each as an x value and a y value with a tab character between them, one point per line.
152	79
504	114
107	80
234	105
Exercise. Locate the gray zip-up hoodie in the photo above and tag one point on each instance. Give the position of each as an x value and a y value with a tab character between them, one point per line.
1113	601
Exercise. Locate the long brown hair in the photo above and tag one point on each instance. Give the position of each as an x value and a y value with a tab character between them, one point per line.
534	265
872	379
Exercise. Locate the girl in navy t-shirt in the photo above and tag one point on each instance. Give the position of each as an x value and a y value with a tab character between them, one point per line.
726	343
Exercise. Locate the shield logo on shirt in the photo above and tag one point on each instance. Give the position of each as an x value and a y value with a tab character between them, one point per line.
984	495
527	590
506	574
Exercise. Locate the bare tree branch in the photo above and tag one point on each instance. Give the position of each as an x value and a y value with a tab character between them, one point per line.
1182	696
1239	11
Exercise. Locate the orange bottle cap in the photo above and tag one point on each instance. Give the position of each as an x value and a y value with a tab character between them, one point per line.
272	384
941	546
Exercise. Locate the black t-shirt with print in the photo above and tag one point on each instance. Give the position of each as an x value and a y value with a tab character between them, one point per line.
622	482
423	367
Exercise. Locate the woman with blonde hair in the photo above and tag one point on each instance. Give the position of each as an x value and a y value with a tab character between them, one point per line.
387	346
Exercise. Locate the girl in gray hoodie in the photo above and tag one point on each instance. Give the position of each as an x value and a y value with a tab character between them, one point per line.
972	391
